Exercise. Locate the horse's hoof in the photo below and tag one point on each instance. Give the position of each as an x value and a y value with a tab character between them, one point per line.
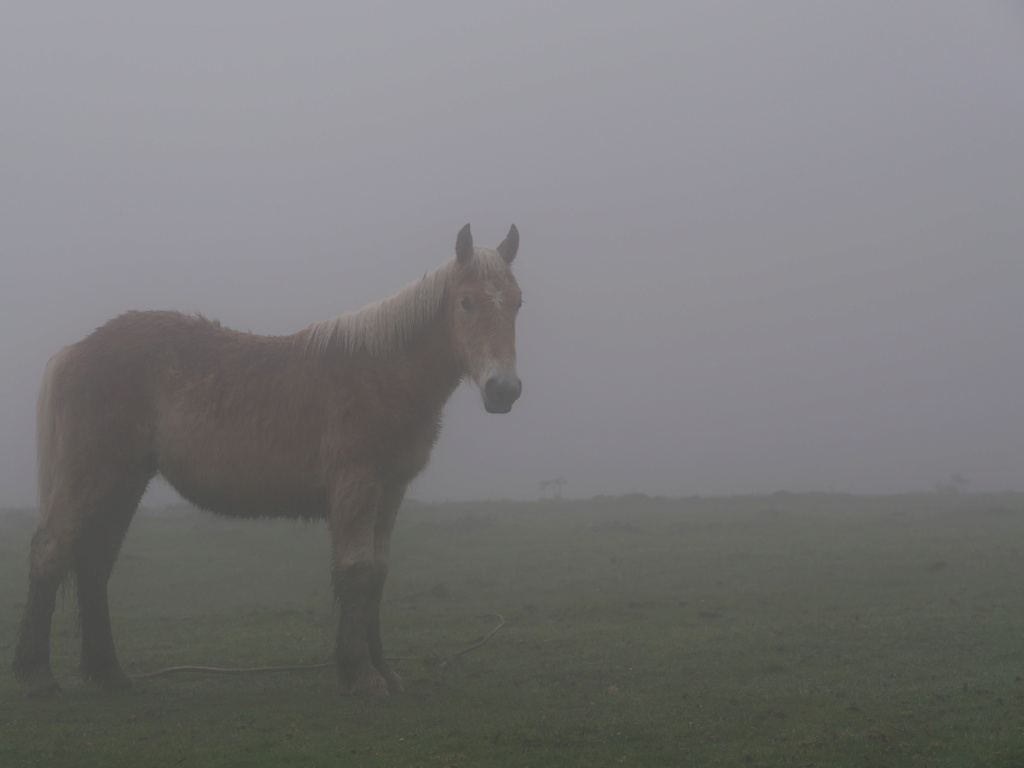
370	683
376	690
110	681
117	684
42	689
394	682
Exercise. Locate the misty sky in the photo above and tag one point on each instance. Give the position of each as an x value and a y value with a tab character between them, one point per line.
764	245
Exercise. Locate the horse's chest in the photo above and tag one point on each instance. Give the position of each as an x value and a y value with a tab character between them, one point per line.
397	444
407	454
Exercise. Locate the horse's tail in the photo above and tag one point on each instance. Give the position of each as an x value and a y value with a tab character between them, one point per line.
46	430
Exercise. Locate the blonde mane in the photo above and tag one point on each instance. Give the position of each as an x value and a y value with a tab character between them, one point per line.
390	324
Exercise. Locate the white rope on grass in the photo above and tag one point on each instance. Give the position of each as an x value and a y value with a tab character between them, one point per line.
308	667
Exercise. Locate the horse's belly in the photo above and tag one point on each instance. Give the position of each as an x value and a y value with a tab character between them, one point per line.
244	483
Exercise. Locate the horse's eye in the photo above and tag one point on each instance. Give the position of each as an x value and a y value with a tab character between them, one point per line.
466	303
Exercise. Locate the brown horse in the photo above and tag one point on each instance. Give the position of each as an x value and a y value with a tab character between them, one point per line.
331	422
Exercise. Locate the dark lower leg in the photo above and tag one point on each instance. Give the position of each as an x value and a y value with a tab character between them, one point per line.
387	510
97	553
354	590
99	659
374	641
32	654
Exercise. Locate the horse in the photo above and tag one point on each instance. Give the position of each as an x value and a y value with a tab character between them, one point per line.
332	422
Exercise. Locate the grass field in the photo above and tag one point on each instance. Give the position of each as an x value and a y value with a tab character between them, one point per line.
785	630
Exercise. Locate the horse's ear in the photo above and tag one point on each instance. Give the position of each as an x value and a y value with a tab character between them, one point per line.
464	245
509	245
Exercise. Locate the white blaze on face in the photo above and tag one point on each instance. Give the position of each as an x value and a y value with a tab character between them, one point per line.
497	364
495	295
486	334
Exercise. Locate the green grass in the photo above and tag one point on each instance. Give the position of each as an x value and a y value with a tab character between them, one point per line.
790	630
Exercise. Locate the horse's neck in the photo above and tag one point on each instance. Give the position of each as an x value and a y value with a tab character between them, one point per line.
430	364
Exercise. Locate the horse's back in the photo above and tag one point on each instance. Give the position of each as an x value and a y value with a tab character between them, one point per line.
231	417
174	393
236	422
100	389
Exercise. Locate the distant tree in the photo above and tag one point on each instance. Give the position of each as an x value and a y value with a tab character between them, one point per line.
553	485
955	483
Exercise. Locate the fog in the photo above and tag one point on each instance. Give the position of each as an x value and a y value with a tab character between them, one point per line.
764	246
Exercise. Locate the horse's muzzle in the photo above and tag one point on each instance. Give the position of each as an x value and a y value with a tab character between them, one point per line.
500	392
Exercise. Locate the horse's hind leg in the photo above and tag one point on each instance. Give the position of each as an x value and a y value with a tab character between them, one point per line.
50	560
82	539
95	555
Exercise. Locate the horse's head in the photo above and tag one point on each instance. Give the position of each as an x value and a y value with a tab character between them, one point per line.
484	299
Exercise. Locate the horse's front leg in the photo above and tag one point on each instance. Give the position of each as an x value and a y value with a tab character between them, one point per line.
352	520
387	511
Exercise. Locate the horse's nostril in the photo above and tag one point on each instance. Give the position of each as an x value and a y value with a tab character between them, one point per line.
501	392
